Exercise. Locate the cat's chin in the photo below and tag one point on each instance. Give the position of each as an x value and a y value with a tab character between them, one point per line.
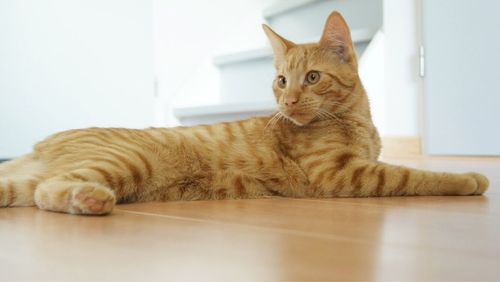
298	120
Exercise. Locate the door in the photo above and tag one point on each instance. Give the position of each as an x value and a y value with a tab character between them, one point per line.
461	40
72	64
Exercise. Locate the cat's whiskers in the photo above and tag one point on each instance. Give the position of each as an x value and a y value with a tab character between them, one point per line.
274	120
280	117
331	116
344	109
321	116
338	105
317	116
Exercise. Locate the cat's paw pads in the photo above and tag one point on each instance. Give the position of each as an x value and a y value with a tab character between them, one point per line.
92	200
481	182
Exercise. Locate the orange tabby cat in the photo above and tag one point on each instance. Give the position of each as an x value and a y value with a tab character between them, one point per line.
321	143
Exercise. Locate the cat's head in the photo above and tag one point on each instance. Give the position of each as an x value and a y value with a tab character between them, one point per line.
314	81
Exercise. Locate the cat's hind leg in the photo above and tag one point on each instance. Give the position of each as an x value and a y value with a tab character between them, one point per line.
18	181
76	193
17	192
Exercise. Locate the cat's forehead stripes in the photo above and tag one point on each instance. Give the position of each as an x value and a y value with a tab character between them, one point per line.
296	59
302	58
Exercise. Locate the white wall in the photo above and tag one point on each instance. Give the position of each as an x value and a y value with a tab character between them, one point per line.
187	36
372	73
402	81
73	63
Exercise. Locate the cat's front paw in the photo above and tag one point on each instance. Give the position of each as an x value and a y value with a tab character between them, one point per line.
92	200
481	181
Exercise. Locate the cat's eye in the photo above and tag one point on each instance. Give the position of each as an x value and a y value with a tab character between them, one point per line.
312	77
281	81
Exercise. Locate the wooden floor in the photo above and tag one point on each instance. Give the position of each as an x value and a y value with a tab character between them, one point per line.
412	238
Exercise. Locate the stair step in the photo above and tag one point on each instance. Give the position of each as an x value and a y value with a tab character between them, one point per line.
361	35
209	114
299	20
284	6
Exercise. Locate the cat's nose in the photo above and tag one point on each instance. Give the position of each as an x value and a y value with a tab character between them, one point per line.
290	101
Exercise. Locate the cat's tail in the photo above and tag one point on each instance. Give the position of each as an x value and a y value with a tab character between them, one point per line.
18	181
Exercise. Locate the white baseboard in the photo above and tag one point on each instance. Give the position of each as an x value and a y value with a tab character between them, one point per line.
401	146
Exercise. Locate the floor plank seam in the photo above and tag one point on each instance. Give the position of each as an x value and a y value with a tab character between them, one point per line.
279	230
313	235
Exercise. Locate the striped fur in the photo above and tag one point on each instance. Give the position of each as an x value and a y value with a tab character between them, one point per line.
325	145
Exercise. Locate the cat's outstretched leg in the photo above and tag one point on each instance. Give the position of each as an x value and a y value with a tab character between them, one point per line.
352	177
68	193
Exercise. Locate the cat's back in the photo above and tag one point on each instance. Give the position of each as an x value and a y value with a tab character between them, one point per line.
78	145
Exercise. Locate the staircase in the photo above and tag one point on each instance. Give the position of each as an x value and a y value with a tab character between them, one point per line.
245	77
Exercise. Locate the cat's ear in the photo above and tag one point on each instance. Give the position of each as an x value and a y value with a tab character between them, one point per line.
337	37
279	44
